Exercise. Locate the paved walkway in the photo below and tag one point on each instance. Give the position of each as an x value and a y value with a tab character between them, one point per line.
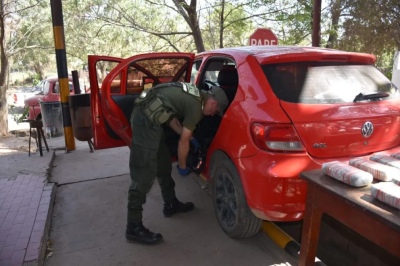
26	200
25	206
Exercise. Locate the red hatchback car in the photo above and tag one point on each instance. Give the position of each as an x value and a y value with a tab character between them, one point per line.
291	109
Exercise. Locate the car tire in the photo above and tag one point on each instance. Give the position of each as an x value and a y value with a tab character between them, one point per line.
230	205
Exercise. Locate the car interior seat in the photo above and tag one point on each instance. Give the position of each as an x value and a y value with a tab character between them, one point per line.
228	80
207	128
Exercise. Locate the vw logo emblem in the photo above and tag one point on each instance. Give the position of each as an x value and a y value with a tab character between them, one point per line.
367	129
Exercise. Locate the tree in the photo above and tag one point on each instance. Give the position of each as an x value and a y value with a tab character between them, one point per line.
227	25
33	41
292	21
9	26
4	14
10	22
142	19
335	9
377	18
126	27
353	23
185	23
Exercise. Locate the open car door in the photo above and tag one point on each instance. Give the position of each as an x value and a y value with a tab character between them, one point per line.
112	99
98	68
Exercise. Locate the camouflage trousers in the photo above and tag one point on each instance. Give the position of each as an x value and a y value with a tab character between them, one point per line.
149	158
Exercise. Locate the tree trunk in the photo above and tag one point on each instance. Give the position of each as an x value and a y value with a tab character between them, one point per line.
3	112
221	27
188	12
3	76
335	13
3	94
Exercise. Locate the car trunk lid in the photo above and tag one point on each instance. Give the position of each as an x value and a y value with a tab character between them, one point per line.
346	130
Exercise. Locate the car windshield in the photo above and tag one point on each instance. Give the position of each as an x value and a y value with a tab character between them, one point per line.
318	83
46	87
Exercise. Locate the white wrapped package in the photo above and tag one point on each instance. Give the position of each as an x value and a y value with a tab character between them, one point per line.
379	171
395	155
347	174
384	159
387	192
396	180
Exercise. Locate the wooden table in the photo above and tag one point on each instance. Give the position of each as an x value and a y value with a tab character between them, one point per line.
354	207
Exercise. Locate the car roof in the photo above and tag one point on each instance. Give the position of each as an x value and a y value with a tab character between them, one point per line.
277	52
55	78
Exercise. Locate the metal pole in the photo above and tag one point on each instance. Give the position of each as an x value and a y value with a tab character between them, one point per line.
61	58
316	33
75	81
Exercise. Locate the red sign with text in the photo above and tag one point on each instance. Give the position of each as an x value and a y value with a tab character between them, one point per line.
263	37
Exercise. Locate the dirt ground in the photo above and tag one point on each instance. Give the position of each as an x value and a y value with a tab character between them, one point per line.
17	142
18	137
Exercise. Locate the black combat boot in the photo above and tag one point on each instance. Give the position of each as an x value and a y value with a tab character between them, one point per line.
173	206
136	232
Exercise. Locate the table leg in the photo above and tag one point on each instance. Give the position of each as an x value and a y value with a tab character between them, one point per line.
44	139
310	231
39	140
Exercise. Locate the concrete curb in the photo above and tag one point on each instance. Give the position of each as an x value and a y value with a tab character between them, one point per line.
46	232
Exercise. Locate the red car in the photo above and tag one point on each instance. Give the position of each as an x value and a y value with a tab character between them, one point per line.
50	93
291	109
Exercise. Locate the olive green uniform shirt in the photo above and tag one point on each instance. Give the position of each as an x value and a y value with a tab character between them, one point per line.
186	108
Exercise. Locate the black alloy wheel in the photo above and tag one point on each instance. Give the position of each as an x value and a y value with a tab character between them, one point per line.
230	205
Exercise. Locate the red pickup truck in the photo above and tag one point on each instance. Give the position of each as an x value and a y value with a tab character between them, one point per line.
50	93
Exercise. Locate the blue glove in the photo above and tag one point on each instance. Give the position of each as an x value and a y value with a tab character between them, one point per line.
183	172
195	144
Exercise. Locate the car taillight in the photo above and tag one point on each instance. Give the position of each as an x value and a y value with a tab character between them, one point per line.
15	98
276	137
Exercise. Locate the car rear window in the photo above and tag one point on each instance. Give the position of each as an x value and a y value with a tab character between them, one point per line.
318	83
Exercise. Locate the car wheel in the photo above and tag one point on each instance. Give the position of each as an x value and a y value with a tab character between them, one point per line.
230	205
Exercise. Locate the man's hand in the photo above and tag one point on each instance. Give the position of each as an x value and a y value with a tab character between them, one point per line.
195	144
184	171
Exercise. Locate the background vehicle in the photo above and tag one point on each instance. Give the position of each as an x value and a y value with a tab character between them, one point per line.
291	109
21	94
50	93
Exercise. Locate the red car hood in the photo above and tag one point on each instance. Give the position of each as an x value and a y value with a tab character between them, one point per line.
33	100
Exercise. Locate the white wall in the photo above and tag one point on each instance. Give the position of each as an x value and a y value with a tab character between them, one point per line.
396	70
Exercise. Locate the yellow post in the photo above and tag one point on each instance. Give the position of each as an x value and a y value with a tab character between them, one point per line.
61	58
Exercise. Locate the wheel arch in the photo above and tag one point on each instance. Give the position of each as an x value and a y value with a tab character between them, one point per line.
218	155
246	223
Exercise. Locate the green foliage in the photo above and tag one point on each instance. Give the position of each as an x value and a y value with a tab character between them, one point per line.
372	18
295	20
369	26
123	28
19	117
230	21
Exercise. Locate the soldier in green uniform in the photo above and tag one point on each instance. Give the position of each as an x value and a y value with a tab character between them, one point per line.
180	106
